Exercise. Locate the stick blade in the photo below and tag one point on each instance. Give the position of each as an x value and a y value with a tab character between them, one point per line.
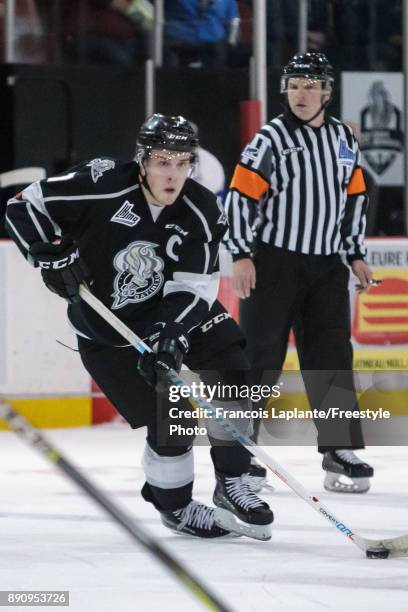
396	547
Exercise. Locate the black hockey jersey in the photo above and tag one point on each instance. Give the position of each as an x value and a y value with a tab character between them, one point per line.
146	271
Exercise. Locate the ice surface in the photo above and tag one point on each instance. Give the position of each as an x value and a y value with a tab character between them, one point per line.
53	537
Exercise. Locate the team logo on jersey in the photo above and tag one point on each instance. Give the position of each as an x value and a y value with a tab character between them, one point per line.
346	155
99	166
222	219
139	274
125	215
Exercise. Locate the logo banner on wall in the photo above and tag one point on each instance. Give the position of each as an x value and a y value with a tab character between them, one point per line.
374	111
379	317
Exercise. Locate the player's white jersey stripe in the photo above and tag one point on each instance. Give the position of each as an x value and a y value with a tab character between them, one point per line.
36	223
204	285
200	216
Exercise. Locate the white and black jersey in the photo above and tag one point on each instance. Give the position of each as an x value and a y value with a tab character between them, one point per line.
145	270
299	188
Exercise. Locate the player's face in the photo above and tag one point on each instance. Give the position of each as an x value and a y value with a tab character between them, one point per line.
167	172
305	97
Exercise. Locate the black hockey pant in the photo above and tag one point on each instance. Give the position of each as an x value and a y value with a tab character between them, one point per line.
168	460
310	294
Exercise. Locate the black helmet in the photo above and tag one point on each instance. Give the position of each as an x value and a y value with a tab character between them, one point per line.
164	132
308	65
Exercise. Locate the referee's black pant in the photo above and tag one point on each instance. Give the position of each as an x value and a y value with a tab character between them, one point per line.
309	294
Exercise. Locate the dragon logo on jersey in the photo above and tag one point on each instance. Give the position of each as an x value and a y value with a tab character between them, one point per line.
139	274
99	166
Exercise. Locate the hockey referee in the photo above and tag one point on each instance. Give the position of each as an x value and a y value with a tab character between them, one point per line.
298	199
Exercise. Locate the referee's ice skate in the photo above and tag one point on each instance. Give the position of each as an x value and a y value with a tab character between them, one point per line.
342	463
250	516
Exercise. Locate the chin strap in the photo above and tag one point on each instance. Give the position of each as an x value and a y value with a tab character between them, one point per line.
144	181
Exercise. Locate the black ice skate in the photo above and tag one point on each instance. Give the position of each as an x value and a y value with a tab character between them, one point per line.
256	477
195	519
342	462
233	494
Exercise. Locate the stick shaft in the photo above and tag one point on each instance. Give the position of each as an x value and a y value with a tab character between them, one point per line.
133	527
396	546
255	450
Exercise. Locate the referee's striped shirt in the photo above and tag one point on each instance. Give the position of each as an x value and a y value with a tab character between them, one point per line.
299	188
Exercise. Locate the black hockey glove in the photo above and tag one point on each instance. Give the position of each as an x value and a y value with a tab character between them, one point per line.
169	343
62	268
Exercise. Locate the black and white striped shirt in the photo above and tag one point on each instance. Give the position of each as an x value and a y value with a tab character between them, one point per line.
299	188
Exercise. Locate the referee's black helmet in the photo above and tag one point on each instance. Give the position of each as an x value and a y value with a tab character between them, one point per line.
310	65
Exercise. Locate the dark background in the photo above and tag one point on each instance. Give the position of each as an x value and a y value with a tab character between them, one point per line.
58	116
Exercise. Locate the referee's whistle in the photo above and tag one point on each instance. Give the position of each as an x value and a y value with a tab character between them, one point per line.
374	282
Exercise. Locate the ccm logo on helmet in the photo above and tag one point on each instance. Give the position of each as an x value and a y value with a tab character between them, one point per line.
60	263
171	136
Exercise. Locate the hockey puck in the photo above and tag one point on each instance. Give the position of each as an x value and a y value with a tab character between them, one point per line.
377	554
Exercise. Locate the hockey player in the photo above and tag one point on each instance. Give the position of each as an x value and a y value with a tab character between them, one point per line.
145	237
298	198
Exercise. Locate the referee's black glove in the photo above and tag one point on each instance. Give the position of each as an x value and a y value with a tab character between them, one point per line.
62	268
170	343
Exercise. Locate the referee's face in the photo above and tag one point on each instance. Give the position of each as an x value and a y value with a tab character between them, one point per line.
305	97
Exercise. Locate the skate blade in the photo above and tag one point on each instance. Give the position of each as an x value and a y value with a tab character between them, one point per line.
333	483
228	536
228	521
188	534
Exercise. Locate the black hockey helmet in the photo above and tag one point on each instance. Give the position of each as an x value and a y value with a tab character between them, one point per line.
310	65
165	132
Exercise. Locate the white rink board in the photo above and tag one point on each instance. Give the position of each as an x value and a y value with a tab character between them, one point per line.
31	321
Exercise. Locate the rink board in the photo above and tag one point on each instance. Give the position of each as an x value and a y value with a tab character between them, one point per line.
33	323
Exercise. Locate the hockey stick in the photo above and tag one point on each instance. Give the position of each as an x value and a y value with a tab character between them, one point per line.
29	434
395	547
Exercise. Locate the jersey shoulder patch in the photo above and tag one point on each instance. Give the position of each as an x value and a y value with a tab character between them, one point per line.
99	166
97	176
